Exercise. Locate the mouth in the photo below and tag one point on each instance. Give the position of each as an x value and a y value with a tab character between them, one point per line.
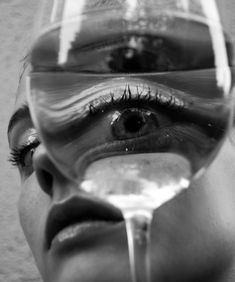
77	217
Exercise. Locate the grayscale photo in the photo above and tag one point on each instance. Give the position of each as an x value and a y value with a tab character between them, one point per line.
118	141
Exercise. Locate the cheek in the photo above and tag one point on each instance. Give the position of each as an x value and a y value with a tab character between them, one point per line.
33	205
195	232
221	192
214	198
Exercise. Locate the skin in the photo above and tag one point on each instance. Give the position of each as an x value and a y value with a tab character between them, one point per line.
193	236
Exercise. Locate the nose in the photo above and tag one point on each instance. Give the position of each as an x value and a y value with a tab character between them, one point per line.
49	177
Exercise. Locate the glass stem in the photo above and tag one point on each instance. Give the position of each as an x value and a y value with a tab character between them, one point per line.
138	225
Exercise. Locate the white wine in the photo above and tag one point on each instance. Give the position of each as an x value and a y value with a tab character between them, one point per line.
144	180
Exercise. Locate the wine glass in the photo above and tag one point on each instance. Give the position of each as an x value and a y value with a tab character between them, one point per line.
132	100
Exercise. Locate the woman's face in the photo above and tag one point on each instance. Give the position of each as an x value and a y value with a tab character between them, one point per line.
75	238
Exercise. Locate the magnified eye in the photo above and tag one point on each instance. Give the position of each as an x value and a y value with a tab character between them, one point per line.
137	54
133	122
146	54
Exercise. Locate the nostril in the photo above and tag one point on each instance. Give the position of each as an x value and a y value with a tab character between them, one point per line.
48	178
46	181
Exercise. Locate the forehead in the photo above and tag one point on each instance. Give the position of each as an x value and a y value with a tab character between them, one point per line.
20	117
21	95
71	8
103	4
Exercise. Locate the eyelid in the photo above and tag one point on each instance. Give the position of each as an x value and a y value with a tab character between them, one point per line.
21	130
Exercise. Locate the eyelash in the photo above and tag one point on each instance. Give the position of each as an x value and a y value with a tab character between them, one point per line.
128	99
17	154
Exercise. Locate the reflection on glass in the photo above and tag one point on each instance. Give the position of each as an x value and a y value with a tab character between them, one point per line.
132	101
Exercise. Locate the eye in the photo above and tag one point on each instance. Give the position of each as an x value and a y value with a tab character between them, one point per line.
22	157
145	54
27	157
133	122
26	161
137	54
130	53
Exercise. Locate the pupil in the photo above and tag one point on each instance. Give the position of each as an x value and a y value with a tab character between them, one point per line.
134	123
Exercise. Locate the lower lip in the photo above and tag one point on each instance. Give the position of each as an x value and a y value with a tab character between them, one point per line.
81	233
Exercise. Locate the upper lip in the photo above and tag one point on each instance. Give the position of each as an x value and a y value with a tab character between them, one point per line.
78	210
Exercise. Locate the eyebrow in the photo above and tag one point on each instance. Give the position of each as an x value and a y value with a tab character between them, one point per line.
22	113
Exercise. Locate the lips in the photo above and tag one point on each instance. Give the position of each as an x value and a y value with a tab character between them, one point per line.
79	211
